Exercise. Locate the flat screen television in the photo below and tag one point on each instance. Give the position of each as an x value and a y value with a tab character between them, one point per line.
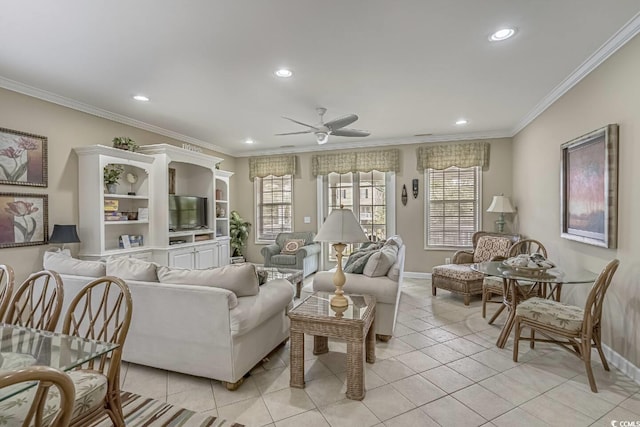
187	212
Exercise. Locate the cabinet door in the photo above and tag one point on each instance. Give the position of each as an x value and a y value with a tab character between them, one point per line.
183	258
207	256
224	254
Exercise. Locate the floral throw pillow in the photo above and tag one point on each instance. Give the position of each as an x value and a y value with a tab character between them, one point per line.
291	246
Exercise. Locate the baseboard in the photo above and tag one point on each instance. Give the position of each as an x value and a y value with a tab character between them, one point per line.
626	367
417	275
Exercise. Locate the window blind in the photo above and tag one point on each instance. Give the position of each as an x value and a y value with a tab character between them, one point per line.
452	201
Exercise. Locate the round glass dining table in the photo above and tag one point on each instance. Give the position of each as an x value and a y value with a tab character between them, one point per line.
549	282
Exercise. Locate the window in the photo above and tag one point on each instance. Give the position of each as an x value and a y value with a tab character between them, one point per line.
274	206
452	211
369	195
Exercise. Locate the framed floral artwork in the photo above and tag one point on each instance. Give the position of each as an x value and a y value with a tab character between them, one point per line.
589	188
23	158
23	219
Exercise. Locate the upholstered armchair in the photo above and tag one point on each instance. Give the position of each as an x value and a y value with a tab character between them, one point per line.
293	250
458	277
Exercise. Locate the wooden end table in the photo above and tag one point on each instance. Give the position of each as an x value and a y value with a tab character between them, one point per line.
355	324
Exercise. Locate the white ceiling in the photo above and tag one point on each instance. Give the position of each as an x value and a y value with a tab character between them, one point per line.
406	67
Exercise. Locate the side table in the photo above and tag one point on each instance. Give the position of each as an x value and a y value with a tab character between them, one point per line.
354	324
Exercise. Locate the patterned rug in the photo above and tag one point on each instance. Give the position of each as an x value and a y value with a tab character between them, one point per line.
141	411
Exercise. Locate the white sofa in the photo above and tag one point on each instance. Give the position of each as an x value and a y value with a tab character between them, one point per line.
385	288
199	330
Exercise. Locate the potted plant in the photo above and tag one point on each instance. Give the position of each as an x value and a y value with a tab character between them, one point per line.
111	175
239	230
125	143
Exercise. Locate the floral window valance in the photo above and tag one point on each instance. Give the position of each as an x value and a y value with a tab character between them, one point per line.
443	156
359	161
271	165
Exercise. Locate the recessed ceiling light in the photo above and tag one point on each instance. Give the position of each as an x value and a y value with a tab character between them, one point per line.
283	72
502	34
140	98
248	141
462	122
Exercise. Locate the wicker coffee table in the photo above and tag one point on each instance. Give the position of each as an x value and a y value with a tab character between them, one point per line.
290	274
315	316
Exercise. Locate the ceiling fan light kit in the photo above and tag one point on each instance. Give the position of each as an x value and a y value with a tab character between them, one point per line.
333	127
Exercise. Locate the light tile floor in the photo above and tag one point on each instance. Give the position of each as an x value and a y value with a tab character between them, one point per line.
441	368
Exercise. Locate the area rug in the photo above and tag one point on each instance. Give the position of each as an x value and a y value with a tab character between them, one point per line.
145	412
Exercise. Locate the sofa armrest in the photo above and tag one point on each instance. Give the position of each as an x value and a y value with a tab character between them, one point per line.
268	251
463	257
307	250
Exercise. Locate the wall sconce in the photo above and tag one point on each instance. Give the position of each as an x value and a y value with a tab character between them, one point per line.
415	188
404	196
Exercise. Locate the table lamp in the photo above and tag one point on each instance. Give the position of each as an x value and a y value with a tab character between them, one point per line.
501	204
340	227
64	234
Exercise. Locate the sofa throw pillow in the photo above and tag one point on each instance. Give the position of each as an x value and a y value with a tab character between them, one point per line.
381	261
291	246
64	264
491	246
358	259
241	279
132	269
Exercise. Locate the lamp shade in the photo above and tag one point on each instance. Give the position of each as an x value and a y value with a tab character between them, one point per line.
501	204
64	234
341	226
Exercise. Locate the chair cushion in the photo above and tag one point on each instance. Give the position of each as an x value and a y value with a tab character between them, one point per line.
291	246
553	313
91	389
492	284
13	361
132	269
489	247
458	272
282	259
241	279
65	264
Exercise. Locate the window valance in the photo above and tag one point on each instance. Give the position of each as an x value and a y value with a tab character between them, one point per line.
443	156
359	161
271	165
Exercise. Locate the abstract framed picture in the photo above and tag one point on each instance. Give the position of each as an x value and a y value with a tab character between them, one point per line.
23	158
23	219
589	188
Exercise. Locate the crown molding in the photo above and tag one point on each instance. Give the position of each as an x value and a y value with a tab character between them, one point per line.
99	112
348	145
619	39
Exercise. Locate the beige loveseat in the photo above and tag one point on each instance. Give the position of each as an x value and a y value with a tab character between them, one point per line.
215	323
386	289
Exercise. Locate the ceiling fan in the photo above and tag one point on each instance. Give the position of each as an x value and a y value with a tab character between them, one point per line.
333	127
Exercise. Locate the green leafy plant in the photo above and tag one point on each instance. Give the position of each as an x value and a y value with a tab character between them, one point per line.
239	230
125	143
112	173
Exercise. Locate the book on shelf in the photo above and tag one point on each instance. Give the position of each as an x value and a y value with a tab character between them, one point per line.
111	205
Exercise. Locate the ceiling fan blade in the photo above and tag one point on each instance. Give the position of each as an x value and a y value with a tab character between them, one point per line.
294	133
341	122
300	123
350	132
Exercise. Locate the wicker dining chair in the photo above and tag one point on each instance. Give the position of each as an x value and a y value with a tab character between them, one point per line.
492	286
100	311
575	329
37	302
7	278
47	407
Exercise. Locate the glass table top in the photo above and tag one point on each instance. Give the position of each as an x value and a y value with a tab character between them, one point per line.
319	306
552	275
21	347
281	273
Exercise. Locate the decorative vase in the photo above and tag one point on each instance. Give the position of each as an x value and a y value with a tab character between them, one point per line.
112	188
